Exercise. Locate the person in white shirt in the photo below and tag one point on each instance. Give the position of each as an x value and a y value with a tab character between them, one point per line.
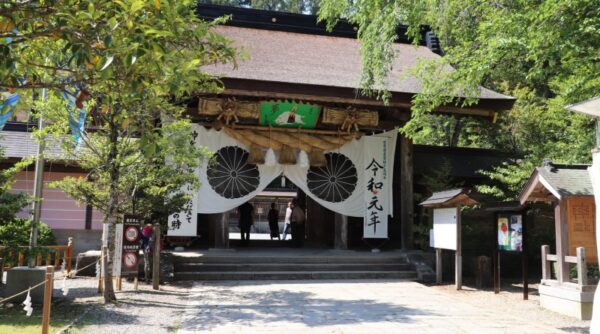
287	223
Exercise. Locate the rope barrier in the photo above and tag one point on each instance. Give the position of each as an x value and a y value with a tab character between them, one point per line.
72	274
2	301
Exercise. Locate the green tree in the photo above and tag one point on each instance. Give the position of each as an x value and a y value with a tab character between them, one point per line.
10	203
133	61
545	53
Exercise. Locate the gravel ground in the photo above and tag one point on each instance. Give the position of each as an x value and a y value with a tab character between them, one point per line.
148	311
510	301
144	311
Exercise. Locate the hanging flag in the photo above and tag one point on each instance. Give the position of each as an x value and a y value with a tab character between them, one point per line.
76	114
6	109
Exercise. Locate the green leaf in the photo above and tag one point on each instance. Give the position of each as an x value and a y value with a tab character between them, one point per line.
107	62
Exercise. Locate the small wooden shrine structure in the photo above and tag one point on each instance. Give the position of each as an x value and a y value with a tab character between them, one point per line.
569	188
447	229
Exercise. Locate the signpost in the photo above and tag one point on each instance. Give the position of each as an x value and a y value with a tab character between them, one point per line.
510	228
127	248
446	233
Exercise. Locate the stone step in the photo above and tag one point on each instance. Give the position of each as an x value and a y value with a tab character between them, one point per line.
297	275
256	267
233	258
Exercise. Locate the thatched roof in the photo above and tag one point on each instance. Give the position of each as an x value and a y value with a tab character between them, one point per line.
308	59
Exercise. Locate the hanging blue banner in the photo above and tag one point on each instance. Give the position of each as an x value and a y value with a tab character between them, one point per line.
76	116
6	109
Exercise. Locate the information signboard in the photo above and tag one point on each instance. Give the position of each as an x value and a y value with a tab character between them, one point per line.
131	246
510	232
445	228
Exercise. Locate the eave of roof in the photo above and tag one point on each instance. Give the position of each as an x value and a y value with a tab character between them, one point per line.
450	198
559	180
589	107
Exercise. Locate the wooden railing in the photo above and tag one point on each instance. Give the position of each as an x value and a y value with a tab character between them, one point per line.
49	256
578	260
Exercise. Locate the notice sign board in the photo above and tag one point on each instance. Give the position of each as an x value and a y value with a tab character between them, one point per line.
510	232
131	246
444	228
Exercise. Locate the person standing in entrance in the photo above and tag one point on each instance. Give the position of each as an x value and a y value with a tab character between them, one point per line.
147	239
298	219
286	223
246	212
273	217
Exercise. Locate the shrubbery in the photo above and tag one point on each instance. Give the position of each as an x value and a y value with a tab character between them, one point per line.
16	233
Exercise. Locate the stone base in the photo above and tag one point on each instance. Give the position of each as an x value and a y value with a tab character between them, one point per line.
567	300
20	278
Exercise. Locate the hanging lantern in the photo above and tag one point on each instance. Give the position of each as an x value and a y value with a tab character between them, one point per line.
303	159
270	158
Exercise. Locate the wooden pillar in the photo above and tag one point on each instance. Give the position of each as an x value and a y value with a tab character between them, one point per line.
560	220
458	257
406	196
546	269
524	257
438	265
341	232
47	299
156	258
220	224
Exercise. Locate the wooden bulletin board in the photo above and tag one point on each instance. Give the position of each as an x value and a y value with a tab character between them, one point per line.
581	224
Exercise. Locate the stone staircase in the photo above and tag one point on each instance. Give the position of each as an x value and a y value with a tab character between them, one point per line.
325	266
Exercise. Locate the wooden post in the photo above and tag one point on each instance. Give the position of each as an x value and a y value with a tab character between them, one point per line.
458	257
560	220
156	257
102	259
69	255
341	231
581	267
47	299
524	259
496	256
119	283
546	270
406	194
135	283
438	265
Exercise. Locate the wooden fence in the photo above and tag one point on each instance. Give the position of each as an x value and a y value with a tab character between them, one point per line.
47	255
578	260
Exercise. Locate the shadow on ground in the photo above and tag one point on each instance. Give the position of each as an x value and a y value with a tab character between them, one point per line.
217	304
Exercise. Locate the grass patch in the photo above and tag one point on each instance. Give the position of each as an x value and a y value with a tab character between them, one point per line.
13	320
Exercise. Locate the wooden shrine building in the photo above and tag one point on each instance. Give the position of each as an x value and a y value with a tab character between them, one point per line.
295	69
569	189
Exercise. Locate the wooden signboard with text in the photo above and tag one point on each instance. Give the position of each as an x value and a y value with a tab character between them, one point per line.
581	227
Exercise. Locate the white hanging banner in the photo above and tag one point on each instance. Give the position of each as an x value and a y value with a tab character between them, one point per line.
185	223
377	186
337	185
227	180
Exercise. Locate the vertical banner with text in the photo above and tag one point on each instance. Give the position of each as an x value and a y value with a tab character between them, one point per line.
377	186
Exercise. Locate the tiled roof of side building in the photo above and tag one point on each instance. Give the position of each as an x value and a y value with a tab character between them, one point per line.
568	180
